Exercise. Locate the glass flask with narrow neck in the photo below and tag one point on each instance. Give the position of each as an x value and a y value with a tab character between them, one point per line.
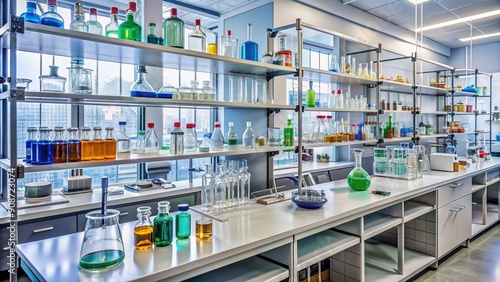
173	30
163	225
217	139
123	143
205	143
79	23
51	17
141	87
152	37
358	179
197	39
143	229
232	137
250	49
111	29
249	137
129	29
94	26
152	145
334	64
30	15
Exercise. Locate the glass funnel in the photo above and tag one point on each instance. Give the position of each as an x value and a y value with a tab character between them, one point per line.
102	245
358	179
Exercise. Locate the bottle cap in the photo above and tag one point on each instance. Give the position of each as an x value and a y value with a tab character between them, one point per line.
190	125
229	32
122	123
231	124
217	124
114	10
183	207
151	124
152	24
109	128
249	123
31	5
132	6
320	116
173	12
334	91
339	91
329	117
32	128
141	133
97	128
197	22
93	11
177	124
52	2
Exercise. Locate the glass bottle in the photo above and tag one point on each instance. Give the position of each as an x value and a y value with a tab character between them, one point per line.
111	29
183	222
388	129
195	91
143	229
334	64
340	99
311	96
173	30
320	131
347	68
177	140
94	26
141	87
208	91
233	182
360	70
229	46
190	139
168	92
97	145
205	143
217	139
244	183
79	23
51	17
332	100
288	133
30	15
74	145
220	188
129	29
109	144
123	143
208	189
152	38
358	179
429	130
197	40
34	147
421	126
151	143
80	78
283	51
44	147
87	145
204	228
141	142
52	82
250	49
163	225
30	139
60	146
232	137
249	137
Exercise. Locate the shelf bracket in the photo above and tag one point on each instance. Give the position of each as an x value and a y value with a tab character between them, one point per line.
380	112
273	110
17	94
273	153
297	108
16	24
20	171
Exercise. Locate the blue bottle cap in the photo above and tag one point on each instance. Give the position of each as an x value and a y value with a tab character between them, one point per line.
31	5
122	123
183	207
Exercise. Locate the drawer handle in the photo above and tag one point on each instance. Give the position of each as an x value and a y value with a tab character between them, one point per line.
6	248
123	214
456	185
43	230
457	209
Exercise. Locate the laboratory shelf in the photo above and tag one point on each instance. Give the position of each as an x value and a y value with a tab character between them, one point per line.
253	269
411	112
347	143
413	209
495	180
377	223
424	89
464	94
477	187
467	133
492	217
69	43
402	139
397	87
338	110
320	246
381	262
328	76
109	100
122	159
468	114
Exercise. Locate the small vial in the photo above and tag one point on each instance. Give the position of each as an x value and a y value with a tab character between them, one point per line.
204	228
183	222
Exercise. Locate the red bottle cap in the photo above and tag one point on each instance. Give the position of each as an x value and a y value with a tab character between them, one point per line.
114	10
229	32
52	2
190	125
93	11
132	6
320	116
173	12
177	124
329	116
339	91
197	22
151	124
334	91
217	125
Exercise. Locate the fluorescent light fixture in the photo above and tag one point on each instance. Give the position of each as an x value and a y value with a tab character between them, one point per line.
479	37
416	2
461	20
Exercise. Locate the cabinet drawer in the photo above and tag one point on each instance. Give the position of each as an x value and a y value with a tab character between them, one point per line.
454	224
454	190
46	229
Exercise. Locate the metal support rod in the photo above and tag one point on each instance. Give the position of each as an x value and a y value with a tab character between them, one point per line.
414	62
379	66
452	102
300	76
362	52
475	101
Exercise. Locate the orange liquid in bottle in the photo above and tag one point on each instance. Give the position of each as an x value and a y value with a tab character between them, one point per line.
87	150
143	237
287	54
212	48
110	149
98	149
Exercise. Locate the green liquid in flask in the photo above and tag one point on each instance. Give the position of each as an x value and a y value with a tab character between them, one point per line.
102	259
358	178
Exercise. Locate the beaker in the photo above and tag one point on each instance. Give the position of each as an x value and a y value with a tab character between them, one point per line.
249	90
235	88
80	78
102	245
273	136
260	90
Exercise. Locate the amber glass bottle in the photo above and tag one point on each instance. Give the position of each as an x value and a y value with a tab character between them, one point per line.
109	144
97	145
87	145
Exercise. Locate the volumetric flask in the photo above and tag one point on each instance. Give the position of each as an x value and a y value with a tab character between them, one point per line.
235	88
102	245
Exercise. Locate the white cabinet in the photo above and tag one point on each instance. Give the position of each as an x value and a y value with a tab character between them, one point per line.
454	224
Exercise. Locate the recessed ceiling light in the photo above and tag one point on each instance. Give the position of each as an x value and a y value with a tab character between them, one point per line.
416	2
461	20
479	37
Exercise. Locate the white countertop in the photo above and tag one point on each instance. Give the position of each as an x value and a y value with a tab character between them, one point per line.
248	228
291	170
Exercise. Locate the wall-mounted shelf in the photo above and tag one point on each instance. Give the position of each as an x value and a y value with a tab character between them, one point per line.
338	110
328	76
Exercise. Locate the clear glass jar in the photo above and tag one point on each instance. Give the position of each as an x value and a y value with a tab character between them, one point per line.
143	229
163	225
249	89
78	22
97	145
60	146
151	143
208	189
236	90
196	92
177	140
87	144
168	92
217	139
94	26
141	87
229	46
260	91
232	137
244	177
190	139
185	93
183	222
249	137
197	40
320	131
52	82
80	78
152	38
208	91
123	143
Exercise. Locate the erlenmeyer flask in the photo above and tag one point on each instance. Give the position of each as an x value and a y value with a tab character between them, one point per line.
102	245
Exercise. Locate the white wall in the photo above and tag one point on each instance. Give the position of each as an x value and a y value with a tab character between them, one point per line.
485	57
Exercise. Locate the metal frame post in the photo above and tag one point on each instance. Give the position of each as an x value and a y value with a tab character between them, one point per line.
300	75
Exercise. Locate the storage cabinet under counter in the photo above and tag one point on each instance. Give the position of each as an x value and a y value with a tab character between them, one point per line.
49	228
454	224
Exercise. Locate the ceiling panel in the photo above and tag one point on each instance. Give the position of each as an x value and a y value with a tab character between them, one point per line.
393	8
454	4
367	5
